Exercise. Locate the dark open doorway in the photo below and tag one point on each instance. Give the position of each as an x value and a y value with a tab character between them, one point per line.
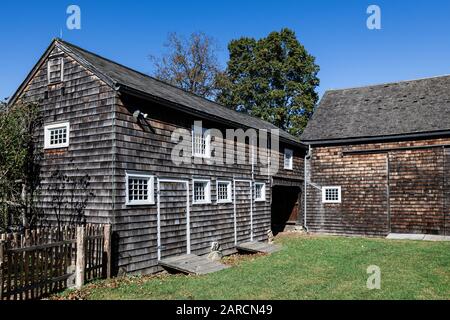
285	207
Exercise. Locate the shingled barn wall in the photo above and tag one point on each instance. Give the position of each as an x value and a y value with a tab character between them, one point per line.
87	103
400	187
146	147
107	141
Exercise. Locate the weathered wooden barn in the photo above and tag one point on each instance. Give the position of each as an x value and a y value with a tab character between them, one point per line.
379	160
116	124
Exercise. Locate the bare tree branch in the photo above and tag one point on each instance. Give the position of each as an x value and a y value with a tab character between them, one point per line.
190	64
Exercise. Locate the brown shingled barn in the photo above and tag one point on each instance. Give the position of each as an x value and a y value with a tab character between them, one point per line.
379	160
115	124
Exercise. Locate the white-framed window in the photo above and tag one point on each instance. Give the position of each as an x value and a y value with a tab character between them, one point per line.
260	191
331	194
55	70
223	190
56	135
201	191
201	143
288	159
139	189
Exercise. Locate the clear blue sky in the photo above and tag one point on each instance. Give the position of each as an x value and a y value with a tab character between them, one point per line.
414	41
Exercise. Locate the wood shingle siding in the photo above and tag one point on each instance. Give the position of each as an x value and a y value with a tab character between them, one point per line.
98	98
387	147
417	198
401	190
87	103
148	149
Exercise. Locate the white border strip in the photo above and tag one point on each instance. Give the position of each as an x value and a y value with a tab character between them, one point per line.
188	214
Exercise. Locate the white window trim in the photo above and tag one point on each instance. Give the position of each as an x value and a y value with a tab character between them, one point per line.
291	162
229	191
207	192
263	192
49	127
324	200
207	154
151	189
61	64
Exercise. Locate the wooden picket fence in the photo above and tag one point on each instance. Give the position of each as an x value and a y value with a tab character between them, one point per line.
47	260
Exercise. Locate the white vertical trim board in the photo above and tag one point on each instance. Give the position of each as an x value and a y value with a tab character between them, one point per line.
234	212
188	220
251	210
158	218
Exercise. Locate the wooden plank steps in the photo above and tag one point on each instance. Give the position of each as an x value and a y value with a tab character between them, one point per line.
192	264
258	247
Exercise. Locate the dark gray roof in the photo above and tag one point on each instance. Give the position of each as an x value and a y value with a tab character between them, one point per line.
120	75
416	107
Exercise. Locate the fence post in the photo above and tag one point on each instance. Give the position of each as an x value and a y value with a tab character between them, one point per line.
107	250
81	257
2	260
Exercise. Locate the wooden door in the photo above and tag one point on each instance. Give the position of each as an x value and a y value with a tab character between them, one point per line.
293	217
243	203
285	207
417	196
173	219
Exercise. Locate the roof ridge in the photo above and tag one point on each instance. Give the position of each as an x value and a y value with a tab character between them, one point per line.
89	64
131	69
166	83
394	109
390	83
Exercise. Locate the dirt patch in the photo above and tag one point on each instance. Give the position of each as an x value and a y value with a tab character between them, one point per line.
236	259
294	235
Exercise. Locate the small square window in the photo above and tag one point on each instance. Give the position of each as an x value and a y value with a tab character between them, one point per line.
139	189
201	142
260	191
331	194
202	191
223	192
288	159
56	135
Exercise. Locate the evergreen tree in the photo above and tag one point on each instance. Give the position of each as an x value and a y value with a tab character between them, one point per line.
273	78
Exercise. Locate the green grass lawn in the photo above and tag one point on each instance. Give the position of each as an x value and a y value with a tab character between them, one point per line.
306	268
